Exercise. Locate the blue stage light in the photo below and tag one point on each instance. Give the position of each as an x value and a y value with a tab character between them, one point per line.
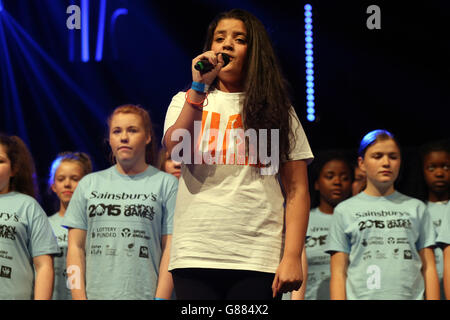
85	30
1	6
101	31
309	63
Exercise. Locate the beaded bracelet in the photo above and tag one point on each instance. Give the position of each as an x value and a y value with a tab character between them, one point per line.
196	104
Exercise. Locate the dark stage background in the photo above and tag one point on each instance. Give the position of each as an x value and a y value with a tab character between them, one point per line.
395	78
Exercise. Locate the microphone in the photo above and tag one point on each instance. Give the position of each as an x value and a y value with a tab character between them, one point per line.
205	66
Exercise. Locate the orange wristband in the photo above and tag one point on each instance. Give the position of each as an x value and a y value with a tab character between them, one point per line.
197	104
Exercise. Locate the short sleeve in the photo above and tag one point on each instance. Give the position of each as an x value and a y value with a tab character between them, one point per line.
76	213
42	239
174	110
300	149
443	237
169	205
338	240
427	233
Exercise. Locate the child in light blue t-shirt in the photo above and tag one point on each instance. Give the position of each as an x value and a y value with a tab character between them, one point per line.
435	158
27	242
66	170
331	177
443	241
381	241
120	219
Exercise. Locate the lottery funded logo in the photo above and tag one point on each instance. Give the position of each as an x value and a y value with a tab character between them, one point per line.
104	232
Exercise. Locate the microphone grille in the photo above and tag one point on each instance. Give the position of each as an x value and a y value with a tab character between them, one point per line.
226	59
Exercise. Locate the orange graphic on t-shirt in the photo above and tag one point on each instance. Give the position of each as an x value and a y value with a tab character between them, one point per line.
234	122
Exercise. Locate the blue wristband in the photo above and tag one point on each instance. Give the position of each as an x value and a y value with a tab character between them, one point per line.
200	87
159	298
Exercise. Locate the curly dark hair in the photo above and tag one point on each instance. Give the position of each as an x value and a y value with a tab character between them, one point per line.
267	101
22	166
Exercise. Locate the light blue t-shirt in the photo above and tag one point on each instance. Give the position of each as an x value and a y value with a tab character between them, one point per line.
383	236
443	237
318	282
437	211
25	233
60	289
125	218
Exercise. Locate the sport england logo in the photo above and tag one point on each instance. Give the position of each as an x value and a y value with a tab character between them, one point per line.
126	233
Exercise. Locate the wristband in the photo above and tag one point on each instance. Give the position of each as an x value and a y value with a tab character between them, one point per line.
198	105
200	87
159	298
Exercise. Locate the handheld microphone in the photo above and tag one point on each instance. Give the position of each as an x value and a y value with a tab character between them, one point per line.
205	66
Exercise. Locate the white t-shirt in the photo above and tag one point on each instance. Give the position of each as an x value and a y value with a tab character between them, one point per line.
228	216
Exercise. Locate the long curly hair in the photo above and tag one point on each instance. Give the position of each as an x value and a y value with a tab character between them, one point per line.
267	102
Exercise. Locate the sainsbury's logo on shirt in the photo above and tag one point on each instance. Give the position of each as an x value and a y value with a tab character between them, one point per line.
123	196
4	216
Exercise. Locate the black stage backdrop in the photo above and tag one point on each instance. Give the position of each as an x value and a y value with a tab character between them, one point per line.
396	77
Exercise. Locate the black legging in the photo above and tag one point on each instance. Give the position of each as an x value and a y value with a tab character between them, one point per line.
220	284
